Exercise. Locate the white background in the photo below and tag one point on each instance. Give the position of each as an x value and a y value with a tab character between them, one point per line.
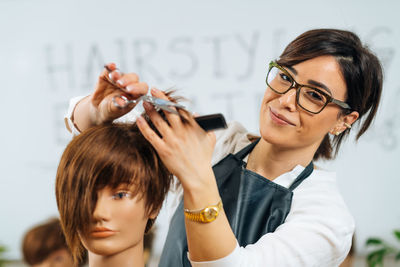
215	52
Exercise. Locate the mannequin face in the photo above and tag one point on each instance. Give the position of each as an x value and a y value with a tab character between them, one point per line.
59	258
284	123
119	222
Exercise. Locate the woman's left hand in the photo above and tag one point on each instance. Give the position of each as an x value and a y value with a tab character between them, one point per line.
185	148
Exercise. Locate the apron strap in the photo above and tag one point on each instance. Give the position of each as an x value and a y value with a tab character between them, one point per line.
303	175
246	150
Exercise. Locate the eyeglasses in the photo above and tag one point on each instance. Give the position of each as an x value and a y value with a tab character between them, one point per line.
309	98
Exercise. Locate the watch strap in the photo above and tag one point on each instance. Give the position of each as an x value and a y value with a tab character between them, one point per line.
206	215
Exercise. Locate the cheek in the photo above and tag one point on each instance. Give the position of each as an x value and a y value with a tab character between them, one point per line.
317	126
134	218
268	95
130	220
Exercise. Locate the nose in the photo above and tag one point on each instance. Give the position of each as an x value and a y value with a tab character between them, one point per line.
102	211
288	100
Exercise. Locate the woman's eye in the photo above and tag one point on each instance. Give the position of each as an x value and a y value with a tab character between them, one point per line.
314	95
285	77
121	195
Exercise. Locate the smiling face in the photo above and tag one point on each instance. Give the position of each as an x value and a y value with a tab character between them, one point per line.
285	124
119	222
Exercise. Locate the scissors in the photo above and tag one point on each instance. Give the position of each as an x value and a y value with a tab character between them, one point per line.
122	101
207	122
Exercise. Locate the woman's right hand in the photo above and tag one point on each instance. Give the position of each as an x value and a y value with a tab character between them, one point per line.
98	107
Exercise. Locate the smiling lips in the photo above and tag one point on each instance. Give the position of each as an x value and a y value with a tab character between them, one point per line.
279	119
101	232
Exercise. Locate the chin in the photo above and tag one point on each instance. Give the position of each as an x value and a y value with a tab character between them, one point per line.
104	249
109	248
270	138
275	137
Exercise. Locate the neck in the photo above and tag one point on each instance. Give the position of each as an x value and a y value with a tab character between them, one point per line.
271	161
131	257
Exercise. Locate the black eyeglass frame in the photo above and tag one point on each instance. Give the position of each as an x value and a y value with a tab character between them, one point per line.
298	86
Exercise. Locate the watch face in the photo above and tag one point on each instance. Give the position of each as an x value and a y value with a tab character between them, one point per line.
210	213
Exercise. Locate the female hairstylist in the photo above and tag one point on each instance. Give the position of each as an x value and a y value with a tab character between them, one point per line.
263	203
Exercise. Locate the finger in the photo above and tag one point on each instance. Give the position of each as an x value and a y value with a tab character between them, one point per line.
125	79
158	121
106	83
174	120
185	116
119	101
102	88
137	89
111	111
110	66
151	135
115	76
130	84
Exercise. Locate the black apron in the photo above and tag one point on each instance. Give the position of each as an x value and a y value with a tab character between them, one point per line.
253	205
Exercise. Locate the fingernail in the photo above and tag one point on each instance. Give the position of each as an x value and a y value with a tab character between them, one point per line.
130	88
146	105
120	82
154	90
139	120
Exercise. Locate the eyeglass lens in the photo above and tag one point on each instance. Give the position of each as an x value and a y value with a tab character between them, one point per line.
309	98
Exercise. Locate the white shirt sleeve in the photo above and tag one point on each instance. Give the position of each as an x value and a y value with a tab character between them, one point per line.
69	124
317	232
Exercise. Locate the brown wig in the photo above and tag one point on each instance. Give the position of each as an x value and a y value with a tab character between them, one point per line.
42	240
106	156
360	68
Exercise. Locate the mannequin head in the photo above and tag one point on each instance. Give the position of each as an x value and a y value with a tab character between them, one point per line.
110	186
44	245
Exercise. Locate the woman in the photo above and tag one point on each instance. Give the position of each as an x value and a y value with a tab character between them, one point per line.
110	186
263	203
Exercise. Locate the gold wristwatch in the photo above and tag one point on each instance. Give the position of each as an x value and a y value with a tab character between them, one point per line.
205	215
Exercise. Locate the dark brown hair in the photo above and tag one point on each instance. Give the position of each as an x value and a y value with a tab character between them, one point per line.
360	68
42	240
106	155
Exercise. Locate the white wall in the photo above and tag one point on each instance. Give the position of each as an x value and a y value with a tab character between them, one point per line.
215	52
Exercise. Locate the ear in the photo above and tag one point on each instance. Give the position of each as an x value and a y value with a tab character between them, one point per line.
154	214
344	122
151	219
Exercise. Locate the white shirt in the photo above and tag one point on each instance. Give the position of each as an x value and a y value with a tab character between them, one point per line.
317	231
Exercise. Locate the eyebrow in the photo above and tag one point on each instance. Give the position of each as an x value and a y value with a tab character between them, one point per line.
311	82
292	70
318	84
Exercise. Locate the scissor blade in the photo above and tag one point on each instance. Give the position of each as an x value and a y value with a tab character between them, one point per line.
166	103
